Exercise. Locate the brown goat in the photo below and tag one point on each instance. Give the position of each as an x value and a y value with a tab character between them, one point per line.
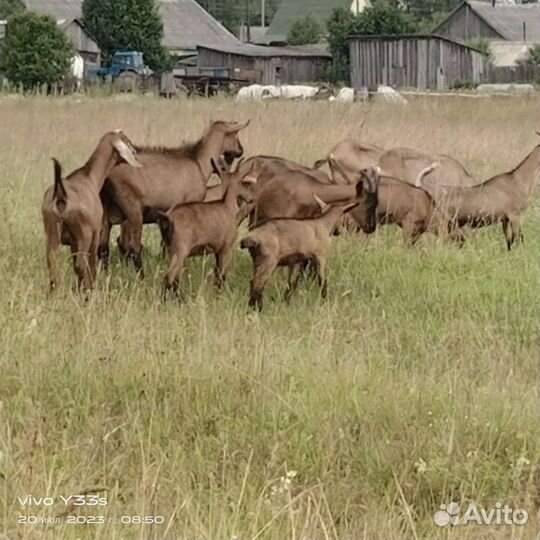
399	203
171	176
198	228
266	167
294	243
409	165
501	199
291	195
72	210
417	168
352	157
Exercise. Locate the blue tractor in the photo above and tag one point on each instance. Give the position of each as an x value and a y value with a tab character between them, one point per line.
127	70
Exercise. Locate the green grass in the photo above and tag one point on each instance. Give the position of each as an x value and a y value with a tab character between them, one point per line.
413	385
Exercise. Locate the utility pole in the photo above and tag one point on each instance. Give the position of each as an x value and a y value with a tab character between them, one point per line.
263	13
248	20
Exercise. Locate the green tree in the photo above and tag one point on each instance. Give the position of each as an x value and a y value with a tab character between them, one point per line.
127	25
230	13
35	51
382	18
304	31
9	8
481	44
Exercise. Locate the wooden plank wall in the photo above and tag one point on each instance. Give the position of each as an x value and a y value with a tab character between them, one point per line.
465	24
83	43
292	69
413	62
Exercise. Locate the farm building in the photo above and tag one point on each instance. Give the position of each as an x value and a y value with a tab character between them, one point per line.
493	21
423	62
185	23
510	29
83	44
267	65
290	11
82	41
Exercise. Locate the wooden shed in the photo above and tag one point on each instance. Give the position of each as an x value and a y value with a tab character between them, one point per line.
270	65
495	20
82	41
416	61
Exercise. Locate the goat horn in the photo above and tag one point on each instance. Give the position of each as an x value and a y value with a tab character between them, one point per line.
425	172
320	202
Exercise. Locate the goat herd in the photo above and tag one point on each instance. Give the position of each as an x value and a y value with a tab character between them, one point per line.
293	210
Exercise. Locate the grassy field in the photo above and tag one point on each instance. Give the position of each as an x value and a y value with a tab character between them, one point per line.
415	384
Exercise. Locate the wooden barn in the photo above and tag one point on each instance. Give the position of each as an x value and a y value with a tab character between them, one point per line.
493	21
267	65
422	62
83	43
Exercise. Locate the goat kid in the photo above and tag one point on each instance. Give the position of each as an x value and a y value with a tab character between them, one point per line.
293	243
199	228
72	210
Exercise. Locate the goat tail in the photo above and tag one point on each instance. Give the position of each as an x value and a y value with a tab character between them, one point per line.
251	244
319	163
60	193
248	243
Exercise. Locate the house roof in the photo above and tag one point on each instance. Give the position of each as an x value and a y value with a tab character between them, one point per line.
247	49
508	53
401	37
290	11
185	23
506	19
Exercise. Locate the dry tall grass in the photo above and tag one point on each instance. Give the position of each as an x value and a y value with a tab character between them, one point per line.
415	384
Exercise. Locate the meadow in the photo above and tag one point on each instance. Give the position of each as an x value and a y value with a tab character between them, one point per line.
415	384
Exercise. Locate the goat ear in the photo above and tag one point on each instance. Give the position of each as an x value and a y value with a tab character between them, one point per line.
247	176
360	188
323	206
235	127
350	207
126	154
238	164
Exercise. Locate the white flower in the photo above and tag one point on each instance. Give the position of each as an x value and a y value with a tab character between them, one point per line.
421	466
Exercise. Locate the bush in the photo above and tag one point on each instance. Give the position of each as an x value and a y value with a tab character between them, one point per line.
35	51
534	55
133	25
305	31
481	44
9	8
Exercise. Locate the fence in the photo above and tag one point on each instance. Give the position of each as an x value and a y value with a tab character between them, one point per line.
524	73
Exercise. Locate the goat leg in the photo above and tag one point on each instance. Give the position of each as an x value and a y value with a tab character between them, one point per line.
223	259
293	281
320	266
53	243
261	275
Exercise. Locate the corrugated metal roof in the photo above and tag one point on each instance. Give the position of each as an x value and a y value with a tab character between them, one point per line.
185	23
508	19
290	11
508	53
247	49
